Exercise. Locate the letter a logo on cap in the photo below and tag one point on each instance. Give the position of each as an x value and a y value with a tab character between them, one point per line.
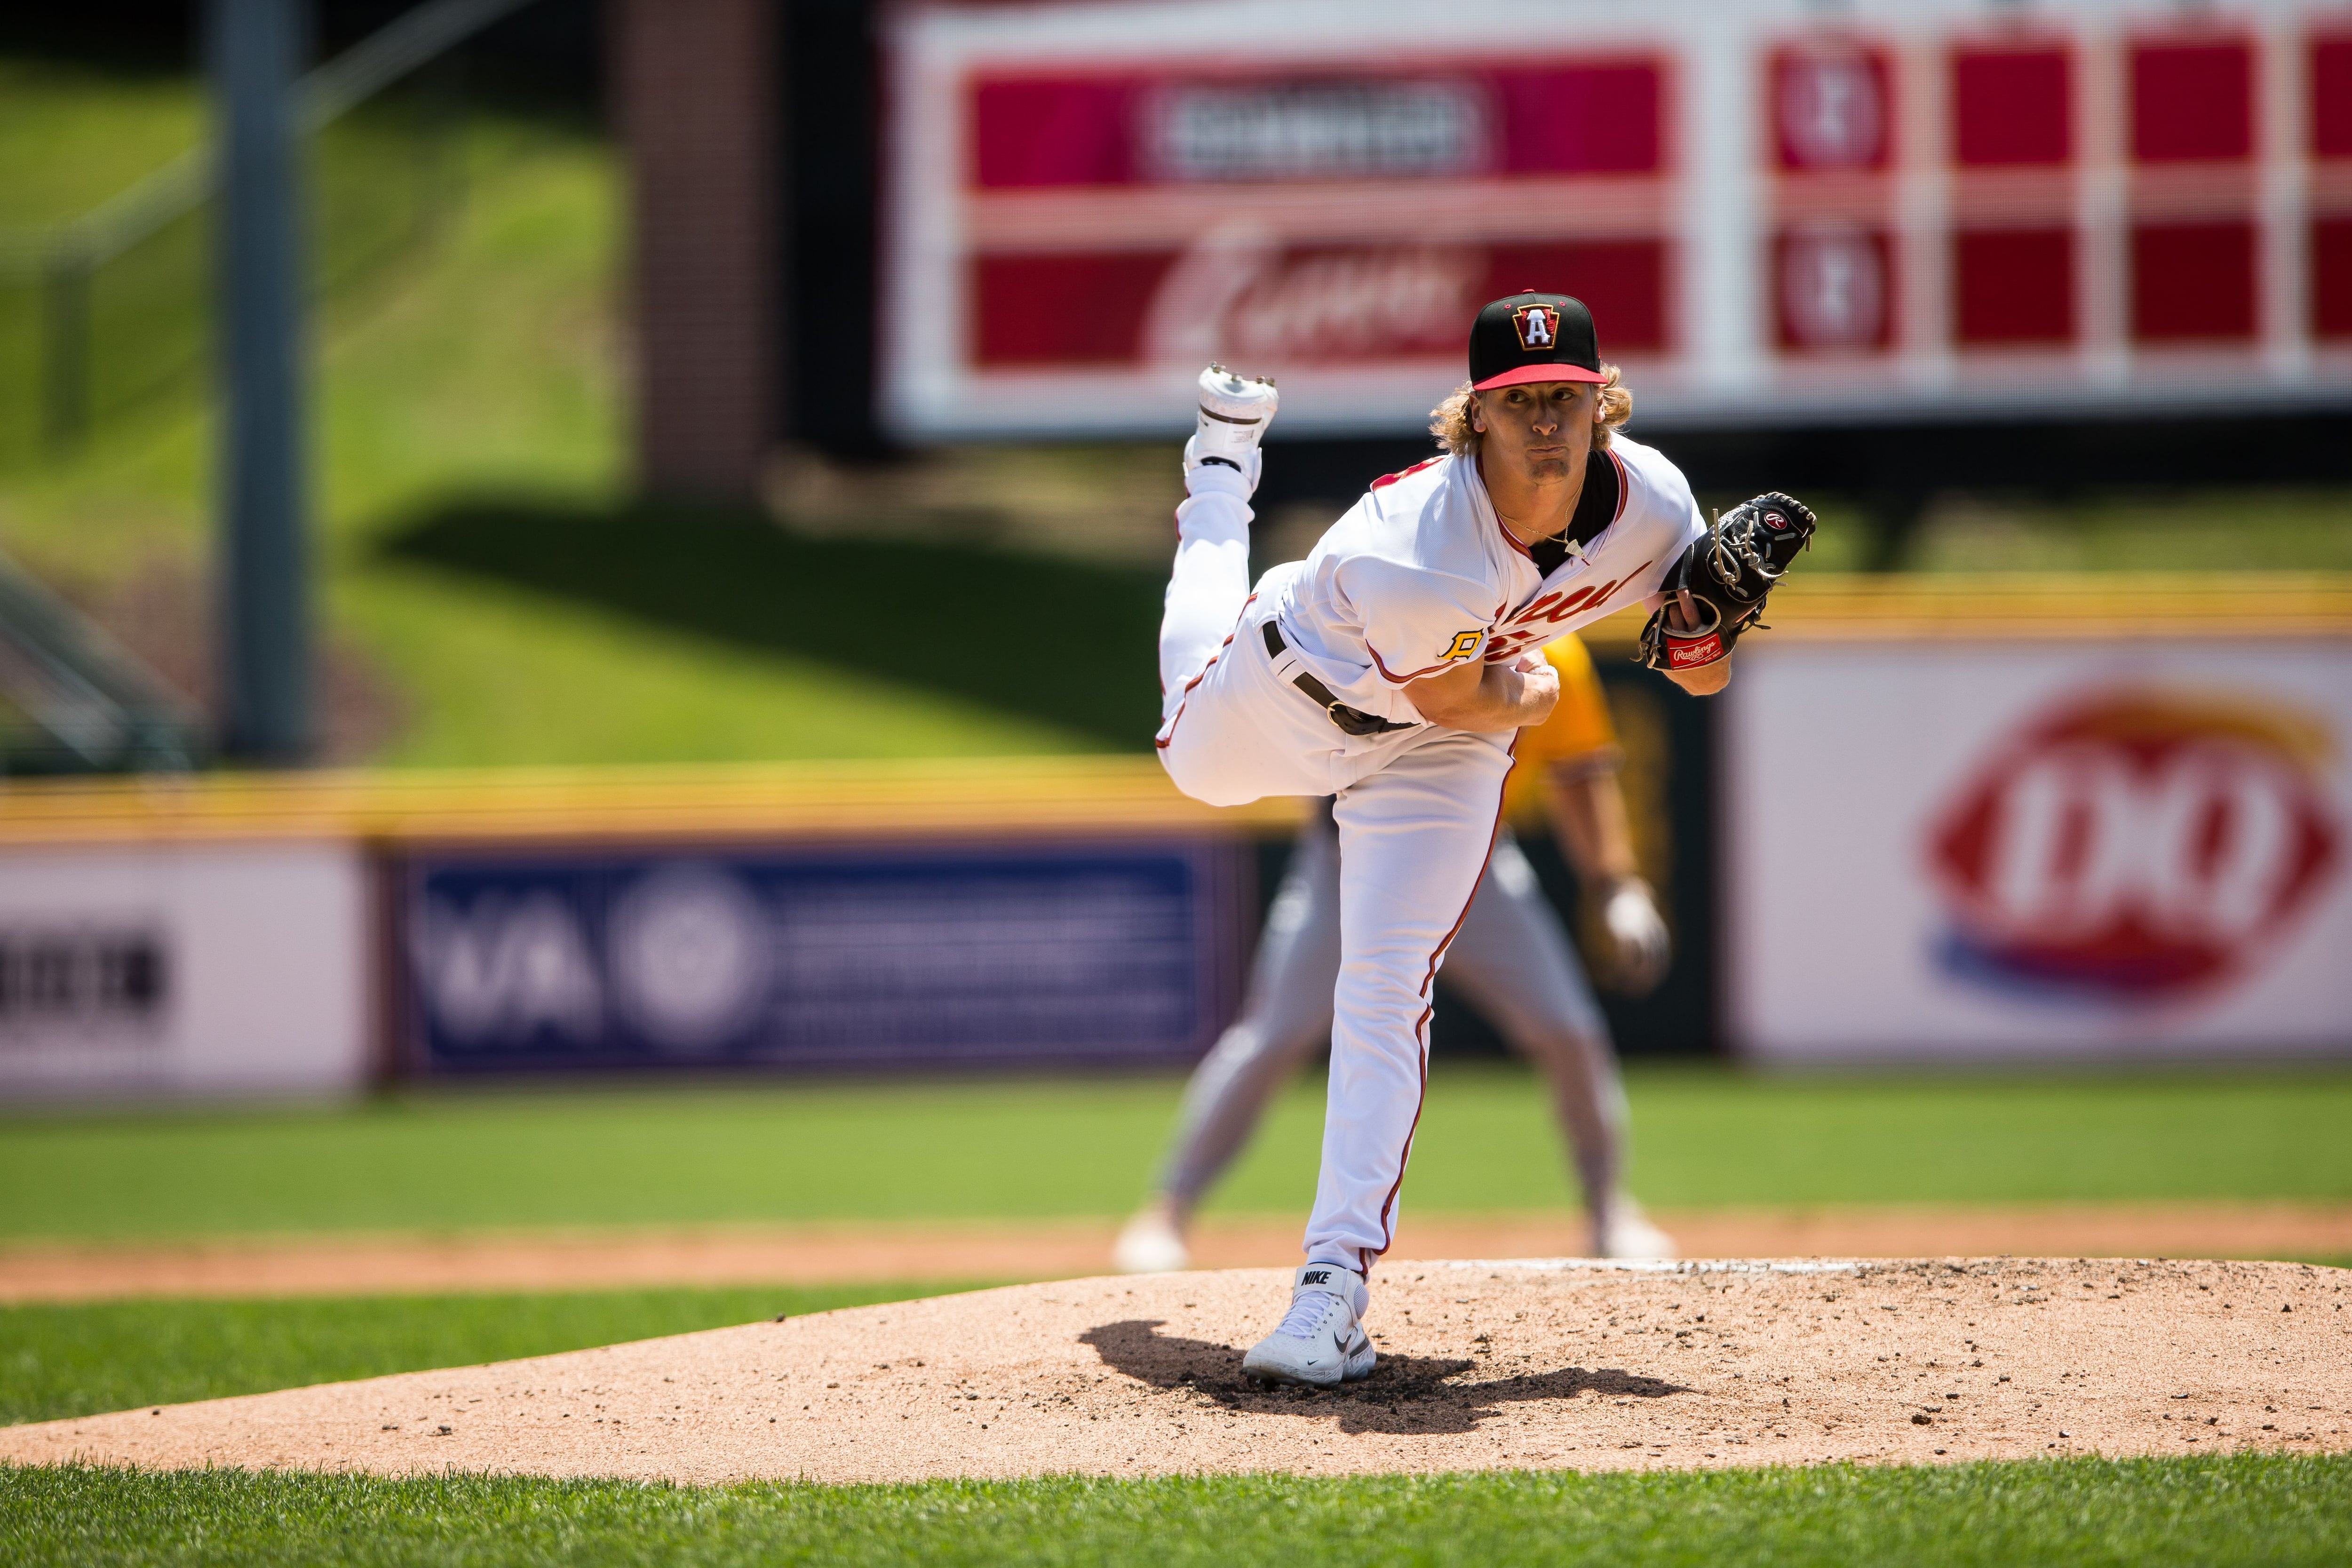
1539	328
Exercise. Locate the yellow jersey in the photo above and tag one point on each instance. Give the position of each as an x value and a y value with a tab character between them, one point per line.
1579	730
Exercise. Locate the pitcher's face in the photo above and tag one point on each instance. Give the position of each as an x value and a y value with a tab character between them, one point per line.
1541	431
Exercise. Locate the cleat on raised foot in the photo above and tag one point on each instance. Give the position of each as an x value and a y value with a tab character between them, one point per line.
1320	1343
1234	411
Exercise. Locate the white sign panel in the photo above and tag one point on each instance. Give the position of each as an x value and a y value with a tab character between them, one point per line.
2060	850
1777	210
163	970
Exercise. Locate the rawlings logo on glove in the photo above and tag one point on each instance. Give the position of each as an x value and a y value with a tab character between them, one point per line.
1716	590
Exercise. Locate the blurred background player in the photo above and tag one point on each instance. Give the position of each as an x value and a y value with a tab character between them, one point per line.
1512	962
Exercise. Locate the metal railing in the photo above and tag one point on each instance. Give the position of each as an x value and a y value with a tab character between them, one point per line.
63	271
80	703
109	311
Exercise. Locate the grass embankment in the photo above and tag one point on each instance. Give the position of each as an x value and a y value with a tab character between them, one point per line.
2225	1510
492	595
481	380
761	1152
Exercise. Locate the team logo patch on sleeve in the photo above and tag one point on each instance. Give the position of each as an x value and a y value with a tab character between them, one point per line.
1464	646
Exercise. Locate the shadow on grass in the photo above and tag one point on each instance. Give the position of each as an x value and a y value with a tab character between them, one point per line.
1409	1395
1069	643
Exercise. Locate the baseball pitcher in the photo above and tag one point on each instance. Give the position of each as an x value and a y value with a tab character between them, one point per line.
1393	668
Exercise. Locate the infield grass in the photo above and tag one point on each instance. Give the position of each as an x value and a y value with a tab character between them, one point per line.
761	1152
80	1360
2235	1508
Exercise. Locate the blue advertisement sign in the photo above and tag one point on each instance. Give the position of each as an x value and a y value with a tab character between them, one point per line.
819	959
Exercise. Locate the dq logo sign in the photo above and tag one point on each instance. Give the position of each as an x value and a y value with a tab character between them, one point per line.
2137	847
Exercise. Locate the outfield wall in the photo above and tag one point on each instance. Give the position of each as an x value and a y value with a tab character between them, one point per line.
304	933
2120	835
167	969
2059	819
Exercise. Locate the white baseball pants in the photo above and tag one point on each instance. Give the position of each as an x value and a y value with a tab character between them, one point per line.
1512	962
1416	811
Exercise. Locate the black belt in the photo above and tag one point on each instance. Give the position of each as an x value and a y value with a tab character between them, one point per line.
1354	720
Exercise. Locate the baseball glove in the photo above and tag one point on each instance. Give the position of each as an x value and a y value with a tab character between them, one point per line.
1721	580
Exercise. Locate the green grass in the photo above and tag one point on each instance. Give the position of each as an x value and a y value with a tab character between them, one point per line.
2179	1512
491	674
1066	644
653	1155
71	136
2241	530
79	1360
2181	531
484	369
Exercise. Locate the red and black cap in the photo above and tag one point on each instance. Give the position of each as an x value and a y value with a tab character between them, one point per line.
1533	337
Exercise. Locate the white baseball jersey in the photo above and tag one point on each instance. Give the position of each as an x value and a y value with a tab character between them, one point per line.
1417	576
1421	574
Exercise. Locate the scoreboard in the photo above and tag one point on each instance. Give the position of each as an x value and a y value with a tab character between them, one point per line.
1780	212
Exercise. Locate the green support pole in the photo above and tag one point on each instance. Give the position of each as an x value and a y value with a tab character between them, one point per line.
263	572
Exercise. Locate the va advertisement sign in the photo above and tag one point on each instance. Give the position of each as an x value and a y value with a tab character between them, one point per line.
1954	850
924	957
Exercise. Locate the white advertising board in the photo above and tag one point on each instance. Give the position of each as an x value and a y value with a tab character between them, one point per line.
2070	851
1868	211
168	969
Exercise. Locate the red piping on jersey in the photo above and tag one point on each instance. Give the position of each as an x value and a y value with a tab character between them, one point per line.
1508	537
1387	479
1395	680
1388	1205
1160	743
1420	1036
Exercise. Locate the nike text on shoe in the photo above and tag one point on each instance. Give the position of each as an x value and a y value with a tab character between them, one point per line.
1321	1341
1234	411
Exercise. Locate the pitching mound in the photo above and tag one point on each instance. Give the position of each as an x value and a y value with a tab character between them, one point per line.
1483	1364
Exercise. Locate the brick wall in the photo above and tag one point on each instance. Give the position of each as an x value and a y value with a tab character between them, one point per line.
695	81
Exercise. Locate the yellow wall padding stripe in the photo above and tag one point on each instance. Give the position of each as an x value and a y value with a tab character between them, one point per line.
1054	797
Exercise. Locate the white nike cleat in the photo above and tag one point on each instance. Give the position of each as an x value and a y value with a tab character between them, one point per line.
1320	1343
1625	1232
1235	409
1151	1244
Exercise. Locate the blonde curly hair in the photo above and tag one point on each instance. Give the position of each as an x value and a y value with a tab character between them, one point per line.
1450	420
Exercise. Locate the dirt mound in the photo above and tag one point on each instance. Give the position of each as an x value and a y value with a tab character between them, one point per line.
1588	1367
